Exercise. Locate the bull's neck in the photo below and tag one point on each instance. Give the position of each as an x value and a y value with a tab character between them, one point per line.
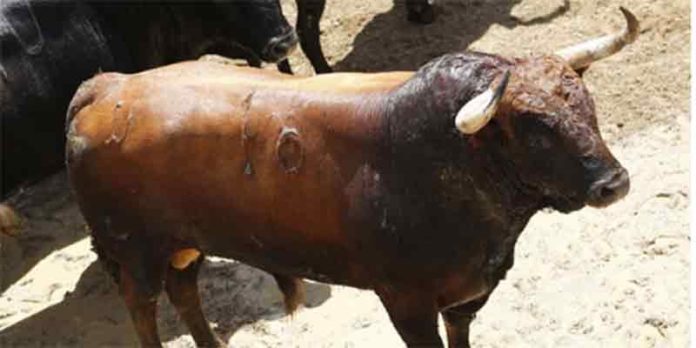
422	146
355	118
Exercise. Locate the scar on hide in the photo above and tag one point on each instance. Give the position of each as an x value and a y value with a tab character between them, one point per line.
121	125
247	134
289	150
183	258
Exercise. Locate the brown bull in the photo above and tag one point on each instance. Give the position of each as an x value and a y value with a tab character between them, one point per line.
415	185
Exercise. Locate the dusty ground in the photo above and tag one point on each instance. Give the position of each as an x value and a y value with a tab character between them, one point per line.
613	277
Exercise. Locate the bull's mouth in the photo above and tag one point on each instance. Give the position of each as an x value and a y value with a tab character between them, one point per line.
565	204
610	188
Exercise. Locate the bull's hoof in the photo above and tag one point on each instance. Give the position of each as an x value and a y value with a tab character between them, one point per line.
10	223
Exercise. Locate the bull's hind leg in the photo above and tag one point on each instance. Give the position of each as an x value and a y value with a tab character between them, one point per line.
140	289
292	289
182	289
140	282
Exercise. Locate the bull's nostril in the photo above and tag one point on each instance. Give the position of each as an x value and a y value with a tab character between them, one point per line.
280	47
606	192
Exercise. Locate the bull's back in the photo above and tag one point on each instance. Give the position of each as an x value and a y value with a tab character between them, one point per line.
229	161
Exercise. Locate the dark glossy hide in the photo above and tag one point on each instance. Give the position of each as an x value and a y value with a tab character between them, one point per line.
48	47
355	179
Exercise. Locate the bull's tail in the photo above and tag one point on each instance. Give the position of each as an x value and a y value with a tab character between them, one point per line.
10	222
293	291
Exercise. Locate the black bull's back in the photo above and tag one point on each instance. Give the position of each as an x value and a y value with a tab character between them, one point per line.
48	47
46	52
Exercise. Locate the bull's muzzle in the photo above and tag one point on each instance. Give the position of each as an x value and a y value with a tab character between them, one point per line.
609	189
280	47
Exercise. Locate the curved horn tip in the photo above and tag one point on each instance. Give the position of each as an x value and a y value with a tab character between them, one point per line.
632	24
500	89
582	55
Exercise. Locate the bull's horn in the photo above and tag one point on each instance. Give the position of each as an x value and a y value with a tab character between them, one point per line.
10	223
475	114
583	54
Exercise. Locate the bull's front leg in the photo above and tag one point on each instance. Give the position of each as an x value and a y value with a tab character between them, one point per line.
284	66
414	316
458	319
308	15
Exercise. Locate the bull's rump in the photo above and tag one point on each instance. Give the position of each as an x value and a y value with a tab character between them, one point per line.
184	161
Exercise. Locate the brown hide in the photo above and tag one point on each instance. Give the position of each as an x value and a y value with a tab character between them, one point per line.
236	161
355	179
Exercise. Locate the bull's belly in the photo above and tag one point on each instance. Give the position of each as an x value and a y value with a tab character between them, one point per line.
314	252
311	266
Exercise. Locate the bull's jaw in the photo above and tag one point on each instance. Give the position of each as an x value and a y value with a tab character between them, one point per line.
564	205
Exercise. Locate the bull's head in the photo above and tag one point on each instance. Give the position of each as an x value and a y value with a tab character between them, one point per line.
549	122
258	26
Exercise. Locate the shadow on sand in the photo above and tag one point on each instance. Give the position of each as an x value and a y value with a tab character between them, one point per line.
390	43
94	315
51	220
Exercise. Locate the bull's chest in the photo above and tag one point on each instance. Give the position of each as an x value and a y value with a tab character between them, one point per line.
461	260
482	270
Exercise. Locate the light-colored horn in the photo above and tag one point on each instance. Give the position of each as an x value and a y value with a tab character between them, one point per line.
583	54
475	114
10	223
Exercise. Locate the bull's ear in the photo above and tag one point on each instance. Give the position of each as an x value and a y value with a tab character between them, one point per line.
580	56
475	114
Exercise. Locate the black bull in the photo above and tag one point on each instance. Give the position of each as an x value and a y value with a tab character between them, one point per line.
48	47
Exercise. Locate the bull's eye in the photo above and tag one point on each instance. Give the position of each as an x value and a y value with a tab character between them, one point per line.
590	162
540	141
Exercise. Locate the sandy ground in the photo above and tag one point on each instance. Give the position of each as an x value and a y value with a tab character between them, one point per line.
612	277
